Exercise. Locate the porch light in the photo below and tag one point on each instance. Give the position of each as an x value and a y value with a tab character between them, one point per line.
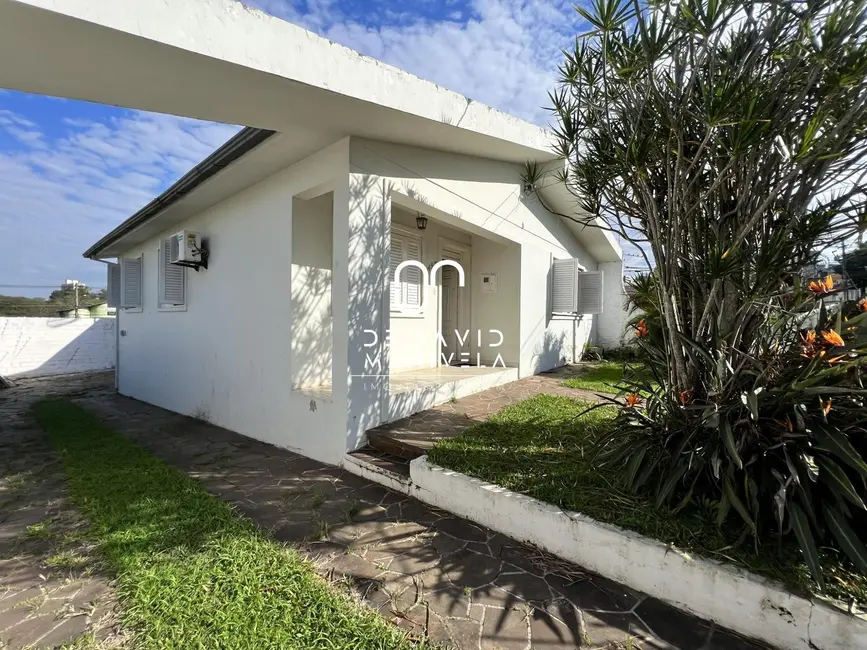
421	221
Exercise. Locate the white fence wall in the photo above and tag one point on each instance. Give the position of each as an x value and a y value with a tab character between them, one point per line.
32	347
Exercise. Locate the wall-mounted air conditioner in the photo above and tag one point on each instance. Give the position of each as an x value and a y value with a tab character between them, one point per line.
185	247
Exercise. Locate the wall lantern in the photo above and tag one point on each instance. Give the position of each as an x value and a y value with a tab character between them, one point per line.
421	221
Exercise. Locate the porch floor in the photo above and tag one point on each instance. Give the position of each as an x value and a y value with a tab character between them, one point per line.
413	436
408	380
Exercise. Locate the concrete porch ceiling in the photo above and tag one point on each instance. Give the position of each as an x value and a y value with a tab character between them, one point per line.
218	60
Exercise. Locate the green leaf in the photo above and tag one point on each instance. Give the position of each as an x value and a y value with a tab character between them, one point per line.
805	539
846	538
725	430
833	474
633	466
737	504
838	443
668	486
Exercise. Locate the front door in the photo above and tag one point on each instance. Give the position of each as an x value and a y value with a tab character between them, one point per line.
453	320
450	353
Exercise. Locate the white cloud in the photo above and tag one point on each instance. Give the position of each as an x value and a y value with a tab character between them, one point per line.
504	54
60	194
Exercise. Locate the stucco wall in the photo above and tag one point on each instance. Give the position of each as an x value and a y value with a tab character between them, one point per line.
227	356
613	321
484	198
312	236
31	347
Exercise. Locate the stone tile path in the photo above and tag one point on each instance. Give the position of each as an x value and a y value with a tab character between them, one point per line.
423	569
415	435
52	586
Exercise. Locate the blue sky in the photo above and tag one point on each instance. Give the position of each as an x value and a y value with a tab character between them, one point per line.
71	171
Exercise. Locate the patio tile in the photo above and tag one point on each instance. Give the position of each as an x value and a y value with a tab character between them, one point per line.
39	606
423	569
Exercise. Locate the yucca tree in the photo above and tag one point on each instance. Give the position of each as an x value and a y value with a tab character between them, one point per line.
726	140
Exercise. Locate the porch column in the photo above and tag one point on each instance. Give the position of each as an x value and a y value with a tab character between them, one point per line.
367	239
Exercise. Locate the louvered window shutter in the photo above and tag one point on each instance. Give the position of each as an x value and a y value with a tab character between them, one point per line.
113	285
590	292
171	277
412	275
130	279
396	259
565	286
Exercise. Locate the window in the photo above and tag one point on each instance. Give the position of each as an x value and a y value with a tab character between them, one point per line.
408	291
113	285
130	283
171	279
574	290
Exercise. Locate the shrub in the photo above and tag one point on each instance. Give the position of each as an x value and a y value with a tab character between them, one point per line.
724	139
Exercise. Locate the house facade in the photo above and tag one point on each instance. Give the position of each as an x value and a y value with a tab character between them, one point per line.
308	213
335	346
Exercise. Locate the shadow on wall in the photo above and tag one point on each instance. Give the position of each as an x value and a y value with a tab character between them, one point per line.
312	255
369	217
36	347
552	352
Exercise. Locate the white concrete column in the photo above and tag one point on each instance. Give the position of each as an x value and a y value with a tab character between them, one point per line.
367	255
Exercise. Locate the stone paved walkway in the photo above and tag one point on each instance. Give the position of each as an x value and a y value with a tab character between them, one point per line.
52	586
414	436
423	569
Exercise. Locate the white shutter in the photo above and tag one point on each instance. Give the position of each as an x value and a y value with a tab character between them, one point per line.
171	277
565	286
130	280
590	292
395	260
113	284
412	275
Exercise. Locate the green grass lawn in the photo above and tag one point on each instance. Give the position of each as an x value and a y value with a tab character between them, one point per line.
598	377
541	447
192	574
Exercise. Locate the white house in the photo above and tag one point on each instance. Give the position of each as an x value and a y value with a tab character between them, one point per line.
295	333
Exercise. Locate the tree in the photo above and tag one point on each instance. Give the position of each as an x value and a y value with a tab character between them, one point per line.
726	138
856	266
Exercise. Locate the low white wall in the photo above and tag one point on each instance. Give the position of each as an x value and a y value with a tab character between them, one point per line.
727	595
32	347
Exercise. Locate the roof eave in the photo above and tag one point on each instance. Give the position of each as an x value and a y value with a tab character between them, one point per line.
237	146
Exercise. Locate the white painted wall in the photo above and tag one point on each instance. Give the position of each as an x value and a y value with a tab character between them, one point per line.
483	197
496	311
32	347
228	355
312	236
612	323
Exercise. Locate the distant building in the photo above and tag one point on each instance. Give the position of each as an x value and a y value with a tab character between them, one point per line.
99	310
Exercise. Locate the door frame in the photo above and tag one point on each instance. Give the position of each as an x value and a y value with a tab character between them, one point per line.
464	302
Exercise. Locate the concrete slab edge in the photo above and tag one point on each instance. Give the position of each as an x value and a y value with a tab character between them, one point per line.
731	597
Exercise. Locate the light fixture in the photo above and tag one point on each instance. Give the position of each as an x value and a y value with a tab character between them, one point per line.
421	221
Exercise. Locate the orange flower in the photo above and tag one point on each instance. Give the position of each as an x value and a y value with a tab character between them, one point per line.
686	397
821	287
837	359
786	424
809	337
833	338
826	407
862	304
633	400
641	329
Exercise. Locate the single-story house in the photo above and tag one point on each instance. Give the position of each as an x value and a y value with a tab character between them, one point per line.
311	224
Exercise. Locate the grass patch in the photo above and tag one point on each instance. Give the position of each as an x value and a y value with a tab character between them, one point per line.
191	573
597	377
540	447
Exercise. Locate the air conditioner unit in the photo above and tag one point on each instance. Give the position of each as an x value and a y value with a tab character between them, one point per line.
185	248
